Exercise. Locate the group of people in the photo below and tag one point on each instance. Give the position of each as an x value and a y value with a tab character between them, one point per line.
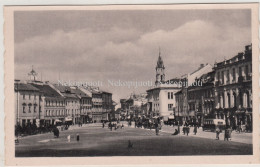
186	129
115	124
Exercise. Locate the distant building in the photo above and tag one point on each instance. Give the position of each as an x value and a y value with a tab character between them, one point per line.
85	103
161	99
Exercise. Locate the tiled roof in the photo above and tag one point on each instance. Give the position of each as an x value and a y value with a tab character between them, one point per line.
47	90
79	92
69	95
61	88
24	87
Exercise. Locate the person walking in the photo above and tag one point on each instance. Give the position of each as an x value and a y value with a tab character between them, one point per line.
217	133
156	128
195	130
187	130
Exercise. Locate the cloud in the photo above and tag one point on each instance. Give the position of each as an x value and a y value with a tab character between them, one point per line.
128	54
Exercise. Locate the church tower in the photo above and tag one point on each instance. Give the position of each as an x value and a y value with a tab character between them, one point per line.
160	76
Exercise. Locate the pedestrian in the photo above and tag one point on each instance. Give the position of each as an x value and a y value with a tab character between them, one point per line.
176	132
68	138
188	130
103	125
195	130
156	128
217	133
77	137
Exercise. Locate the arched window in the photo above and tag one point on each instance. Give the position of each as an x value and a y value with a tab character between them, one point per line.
240	98
234	99
245	102
228	100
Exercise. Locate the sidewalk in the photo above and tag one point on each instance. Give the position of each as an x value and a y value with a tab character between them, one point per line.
235	136
242	137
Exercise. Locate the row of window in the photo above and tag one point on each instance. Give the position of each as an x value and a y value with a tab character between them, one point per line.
196	95
30	97
231	100
31	108
61	112
221	75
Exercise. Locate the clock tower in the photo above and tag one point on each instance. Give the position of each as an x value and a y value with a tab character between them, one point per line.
160	76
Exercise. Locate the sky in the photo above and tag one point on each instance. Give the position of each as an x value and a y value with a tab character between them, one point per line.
108	46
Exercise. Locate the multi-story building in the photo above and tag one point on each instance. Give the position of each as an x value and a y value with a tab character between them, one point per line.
54	104
233	89
201	98
85	103
97	112
182	104
28	104
161	99
107	105
72	103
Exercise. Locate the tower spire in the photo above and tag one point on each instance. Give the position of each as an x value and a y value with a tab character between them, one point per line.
160	75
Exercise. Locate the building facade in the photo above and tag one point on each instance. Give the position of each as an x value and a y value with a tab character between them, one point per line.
233	89
160	99
185	111
28	104
201	99
54	104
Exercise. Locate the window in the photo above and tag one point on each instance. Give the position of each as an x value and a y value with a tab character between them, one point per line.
234	74
218	76
170	107
29	97
29	109
24	96
169	95
222	77
246	70
23	108
46	112
227	75
34	108
240	71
